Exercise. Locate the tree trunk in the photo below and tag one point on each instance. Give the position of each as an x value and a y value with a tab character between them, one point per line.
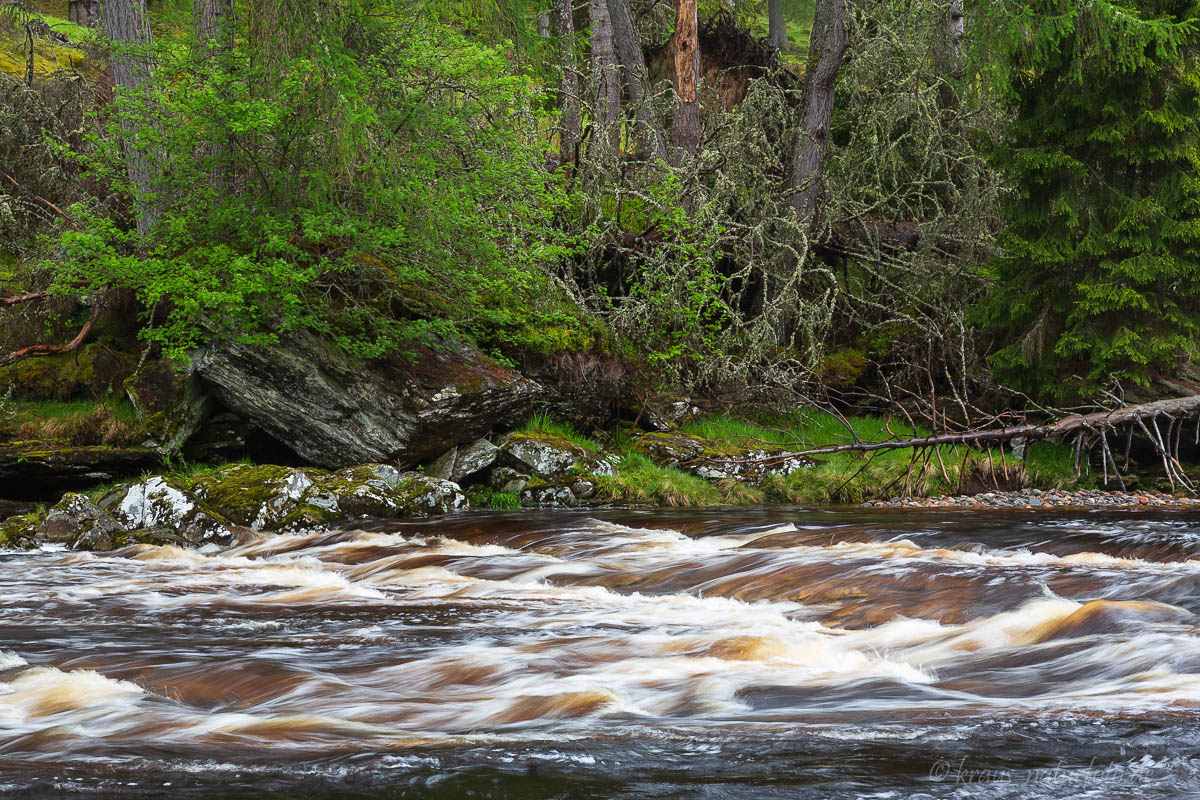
568	83
826	50
213	23
776	26
685	51
126	25
629	48
84	12
214	27
607	111
955	30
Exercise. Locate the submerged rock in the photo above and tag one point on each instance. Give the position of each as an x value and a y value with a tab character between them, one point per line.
336	411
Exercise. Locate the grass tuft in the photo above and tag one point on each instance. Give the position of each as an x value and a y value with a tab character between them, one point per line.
543	425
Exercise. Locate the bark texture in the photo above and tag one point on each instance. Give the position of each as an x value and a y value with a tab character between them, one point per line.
776	26
606	78
827	47
568	83
213	22
126	25
214	27
84	12
629	50
685	51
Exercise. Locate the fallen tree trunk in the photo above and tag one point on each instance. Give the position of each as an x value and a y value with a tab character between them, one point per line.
1096	423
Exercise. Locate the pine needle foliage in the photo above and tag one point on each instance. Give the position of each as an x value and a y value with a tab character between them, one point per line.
1100	276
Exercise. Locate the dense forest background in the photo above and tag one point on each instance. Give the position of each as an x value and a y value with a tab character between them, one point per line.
963	206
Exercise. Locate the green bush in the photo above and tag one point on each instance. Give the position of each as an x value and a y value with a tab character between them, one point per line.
372	175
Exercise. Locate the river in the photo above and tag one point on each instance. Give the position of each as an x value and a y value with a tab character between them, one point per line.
722	654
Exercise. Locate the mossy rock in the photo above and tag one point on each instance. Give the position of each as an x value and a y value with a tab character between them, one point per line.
715	461
166	502
279	498
19	532
169	402
670	448
552	457
267	497
76	518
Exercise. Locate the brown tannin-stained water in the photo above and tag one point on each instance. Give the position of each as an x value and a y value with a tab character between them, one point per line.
804	654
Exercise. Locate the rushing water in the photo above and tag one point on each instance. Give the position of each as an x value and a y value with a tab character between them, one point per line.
658	655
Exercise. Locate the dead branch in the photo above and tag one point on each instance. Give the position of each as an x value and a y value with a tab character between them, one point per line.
29	296
48	204
39	350
1174	408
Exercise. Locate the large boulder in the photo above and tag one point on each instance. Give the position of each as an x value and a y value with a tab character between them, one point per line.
170	403
460	463
552	457
336	411
159	503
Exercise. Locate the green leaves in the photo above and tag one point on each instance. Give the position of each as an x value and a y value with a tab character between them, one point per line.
365	172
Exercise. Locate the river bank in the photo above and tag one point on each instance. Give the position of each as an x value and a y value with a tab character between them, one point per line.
1039	499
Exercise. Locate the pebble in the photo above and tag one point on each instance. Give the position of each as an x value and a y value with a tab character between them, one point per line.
1038	498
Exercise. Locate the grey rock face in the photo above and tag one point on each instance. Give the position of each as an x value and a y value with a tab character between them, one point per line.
459	463
548	496
335	411
551	458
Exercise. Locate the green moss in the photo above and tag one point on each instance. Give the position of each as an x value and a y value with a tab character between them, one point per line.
17	533
243	494
95	370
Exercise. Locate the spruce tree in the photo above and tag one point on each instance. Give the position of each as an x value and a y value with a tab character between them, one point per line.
1100	272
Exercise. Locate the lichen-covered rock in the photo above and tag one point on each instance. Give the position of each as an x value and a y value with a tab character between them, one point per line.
548	497
170	403
19	532
419	495
670	448
551	457
266	497
508	480
583	489
473	458
157	502
232	505
749	466
336	412
74	517
369	490
699	456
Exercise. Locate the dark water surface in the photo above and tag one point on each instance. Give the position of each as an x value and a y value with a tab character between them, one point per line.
730	654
